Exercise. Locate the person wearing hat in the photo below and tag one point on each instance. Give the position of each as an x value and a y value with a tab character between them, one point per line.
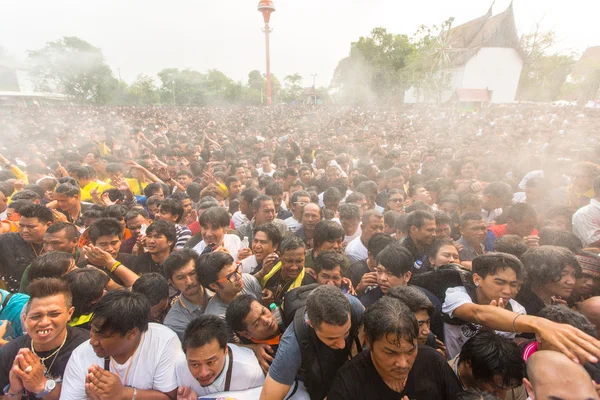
588	283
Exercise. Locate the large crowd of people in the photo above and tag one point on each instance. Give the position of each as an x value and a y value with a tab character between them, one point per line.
300	253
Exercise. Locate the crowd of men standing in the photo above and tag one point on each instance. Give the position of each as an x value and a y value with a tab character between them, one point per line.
291	252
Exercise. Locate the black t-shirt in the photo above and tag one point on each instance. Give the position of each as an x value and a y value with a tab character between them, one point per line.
75	336
144	264
280	288
356	271
15	255
430	378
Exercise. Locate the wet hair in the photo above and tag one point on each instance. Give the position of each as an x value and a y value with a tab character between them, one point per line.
520	211
180	196
257	202
178	259
105	227
25	194
50	265
291	243
349	212
18	205
469	216
378	242
71	232
113	168
297	194
238	310
249	194
368	188
414	299
488	264
564	315
273	189
203	330
42	213
544	264
388	316
68	190
332	194
215	216
87	286
136	212
396	259
327	304
173	207
46	287
114	194
550	236
328	260
152	285
209	266
117	211
390	217
153	188
35	188
470	200
272	232
500	190
490	355
441	218
327	231
120	311
418	218
354	197
511	244
163	228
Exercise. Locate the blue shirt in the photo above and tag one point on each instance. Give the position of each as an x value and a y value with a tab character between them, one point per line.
13	310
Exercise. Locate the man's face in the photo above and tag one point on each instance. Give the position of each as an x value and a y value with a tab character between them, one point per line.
229	279
393	357
375	225
421	194
386	280
260	323
582	180
65	202
47	318
501	285
305	176
350	225
265	212
474	231
157	243
159	311
184	180
187	206
206	362
468	171
332	174
58	241
166	216
492	202
311	216
261	246
299	204
448	207
443	231
153	210
522	228
331	277
292	263
107	344
265	163
135	225
235	189
109	243
424	235
277	202
333	336
335	245
446	255
89	159
213	234
3	202
185	280
396	182
32	229
159	194
586	283
565	285
424	321
240	172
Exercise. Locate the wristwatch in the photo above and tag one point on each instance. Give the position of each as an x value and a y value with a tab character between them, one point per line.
48	387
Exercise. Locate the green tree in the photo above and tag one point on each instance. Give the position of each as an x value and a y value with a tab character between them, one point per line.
75	67
143	91
292	87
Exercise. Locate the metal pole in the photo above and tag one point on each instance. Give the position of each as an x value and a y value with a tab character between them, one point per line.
173	91
267	31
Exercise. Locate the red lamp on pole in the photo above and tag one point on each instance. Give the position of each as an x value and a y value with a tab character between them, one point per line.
266	7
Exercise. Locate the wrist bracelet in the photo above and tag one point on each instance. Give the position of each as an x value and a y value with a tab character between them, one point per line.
7	388
513	323
134	394
115	266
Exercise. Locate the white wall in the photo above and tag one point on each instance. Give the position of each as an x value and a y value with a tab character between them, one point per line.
497	69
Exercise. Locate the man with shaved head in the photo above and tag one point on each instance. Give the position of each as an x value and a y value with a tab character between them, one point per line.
553	376
591	309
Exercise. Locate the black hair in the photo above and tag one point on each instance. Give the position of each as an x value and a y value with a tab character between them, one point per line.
272	232
414	298
87	286
163	228
500	190
43	214
332	194
328	260
511	244
354	197
396	259
544	264
217	216
71	232
114	194
135	212
35	188
488	264
112	168
349	212
441	218
520	211
367	215
390	217
297	194
18	205
291	243
475	394
105	227
327	231
194	189
153	188
258	200
46	287
437	244
469	216
79	172
273	189
204	330
238	310
490	355
25	194
368	188
388	316
249	194
50	265
185	172
120	311
117	211
469	200
209	266
564	315
327	304
173	207
152	285
418	218
378	242
68	190
178	259
180	196
550	236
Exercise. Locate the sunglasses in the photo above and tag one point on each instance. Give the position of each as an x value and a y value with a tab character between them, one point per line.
232	276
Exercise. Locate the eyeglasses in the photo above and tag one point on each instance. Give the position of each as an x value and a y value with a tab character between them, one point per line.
232	276
300	203
396	200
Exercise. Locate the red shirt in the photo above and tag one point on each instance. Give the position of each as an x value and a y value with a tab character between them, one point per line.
500	230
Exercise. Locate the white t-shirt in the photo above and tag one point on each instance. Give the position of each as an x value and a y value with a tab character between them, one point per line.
348	239
261	172
246	373
249	263
292	224
152	367
239	219
455	336
231	242
356	250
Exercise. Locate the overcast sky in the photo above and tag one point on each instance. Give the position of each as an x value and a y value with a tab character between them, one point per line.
309	36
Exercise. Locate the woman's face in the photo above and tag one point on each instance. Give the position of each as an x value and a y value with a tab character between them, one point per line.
396	202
